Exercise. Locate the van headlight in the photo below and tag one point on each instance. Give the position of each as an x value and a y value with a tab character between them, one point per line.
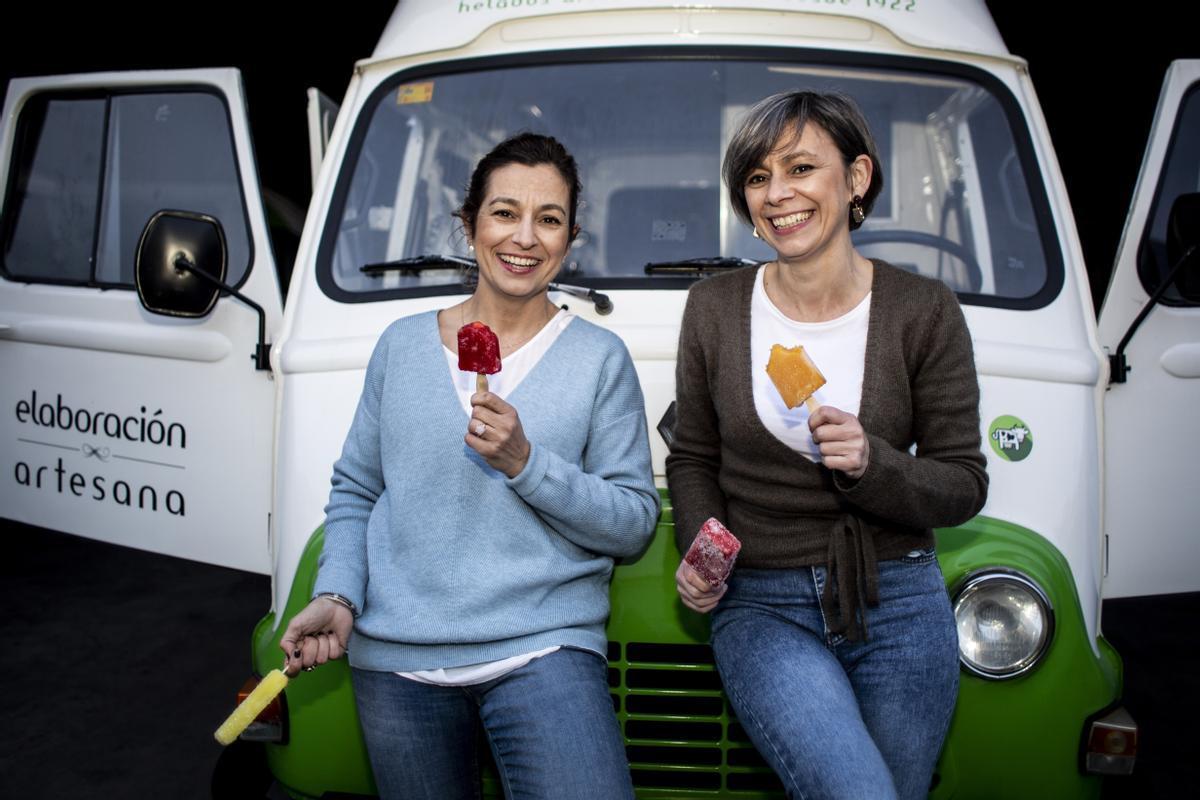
1005	623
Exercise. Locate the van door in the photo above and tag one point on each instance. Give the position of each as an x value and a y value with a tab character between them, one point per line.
322	113
1152	420
118	424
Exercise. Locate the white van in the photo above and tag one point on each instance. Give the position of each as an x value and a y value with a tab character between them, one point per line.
147	407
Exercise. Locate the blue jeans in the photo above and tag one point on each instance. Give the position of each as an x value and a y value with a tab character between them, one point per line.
835	718
550	725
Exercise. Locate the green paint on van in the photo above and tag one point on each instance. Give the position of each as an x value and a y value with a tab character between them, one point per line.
1017	738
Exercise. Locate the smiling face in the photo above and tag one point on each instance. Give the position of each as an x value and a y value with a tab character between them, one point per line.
799	196
521	233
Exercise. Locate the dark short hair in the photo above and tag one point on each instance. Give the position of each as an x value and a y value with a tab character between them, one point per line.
531	150
785	115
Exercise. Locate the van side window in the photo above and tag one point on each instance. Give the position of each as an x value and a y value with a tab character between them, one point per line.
91	170
51	211
1180	175
1018	263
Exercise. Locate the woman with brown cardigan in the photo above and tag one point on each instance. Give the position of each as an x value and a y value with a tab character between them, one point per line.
834	636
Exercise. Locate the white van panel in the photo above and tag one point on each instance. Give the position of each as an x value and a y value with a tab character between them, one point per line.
117	337
123	425
1053	490
1151	422
314	417
444	25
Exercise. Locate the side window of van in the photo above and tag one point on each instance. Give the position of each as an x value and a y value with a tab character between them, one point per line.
89	170
1180	175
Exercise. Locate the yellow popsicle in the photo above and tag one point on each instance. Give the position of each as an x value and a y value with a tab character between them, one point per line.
249	709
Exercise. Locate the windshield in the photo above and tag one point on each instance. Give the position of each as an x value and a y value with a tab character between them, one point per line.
648	136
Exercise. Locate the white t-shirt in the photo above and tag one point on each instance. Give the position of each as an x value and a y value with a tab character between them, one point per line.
838	347
515	366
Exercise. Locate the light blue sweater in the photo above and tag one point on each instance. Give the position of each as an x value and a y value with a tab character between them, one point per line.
451	562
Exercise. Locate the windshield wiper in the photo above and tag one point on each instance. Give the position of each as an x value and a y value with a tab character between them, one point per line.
698	266
417	264
601	301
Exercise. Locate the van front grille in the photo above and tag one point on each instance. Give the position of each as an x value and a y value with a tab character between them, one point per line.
681	736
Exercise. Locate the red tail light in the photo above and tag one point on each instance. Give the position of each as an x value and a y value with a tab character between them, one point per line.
271	724
1111	743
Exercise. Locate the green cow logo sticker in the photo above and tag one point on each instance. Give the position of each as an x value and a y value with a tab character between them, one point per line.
1010	438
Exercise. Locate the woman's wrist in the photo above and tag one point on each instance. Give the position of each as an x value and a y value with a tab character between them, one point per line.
521	463
341	600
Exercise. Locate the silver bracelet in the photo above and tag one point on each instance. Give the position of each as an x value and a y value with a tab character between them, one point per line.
341	600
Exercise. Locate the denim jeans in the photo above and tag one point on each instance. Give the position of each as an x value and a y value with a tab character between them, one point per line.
550	725
835	718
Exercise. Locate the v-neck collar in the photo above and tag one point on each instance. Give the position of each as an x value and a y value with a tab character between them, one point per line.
447	381
745	380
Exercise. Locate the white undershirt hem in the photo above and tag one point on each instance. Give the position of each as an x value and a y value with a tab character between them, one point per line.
475	673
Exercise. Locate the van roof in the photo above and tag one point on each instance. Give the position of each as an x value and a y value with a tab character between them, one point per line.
421	26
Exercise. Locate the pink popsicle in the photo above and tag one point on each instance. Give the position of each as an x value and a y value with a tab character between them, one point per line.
713	552
478	352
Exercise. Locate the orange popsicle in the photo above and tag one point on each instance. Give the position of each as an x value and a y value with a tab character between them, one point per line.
795	376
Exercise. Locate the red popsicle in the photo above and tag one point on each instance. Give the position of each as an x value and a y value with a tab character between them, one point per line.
478	352
713	552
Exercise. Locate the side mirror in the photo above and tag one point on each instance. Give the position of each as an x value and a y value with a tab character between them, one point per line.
164	285
1183	241
180	271
1183	235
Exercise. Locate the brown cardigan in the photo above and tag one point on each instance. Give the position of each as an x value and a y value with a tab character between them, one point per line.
919	386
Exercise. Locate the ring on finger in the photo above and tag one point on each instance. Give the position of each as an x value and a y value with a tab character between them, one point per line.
479	428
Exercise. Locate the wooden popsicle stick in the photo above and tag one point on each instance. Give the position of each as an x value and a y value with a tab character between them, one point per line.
812	404
481	382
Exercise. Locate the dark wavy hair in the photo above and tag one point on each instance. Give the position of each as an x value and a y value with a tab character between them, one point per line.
785	115
531	150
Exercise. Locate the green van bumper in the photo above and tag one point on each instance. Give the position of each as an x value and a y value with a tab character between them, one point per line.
1014	738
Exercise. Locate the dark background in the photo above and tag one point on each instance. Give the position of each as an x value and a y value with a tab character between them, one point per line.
120	664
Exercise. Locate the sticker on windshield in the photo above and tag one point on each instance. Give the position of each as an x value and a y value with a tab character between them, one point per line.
414	93
1010	438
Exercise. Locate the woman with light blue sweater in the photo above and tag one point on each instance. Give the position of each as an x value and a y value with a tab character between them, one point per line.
470	536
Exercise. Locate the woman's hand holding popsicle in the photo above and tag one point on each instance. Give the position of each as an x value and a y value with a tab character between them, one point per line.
317	634
494	431
841	439
695	592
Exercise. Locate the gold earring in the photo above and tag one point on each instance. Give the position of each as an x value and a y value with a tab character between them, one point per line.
856	210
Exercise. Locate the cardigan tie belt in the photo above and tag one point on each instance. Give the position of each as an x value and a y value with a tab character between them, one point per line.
851	558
